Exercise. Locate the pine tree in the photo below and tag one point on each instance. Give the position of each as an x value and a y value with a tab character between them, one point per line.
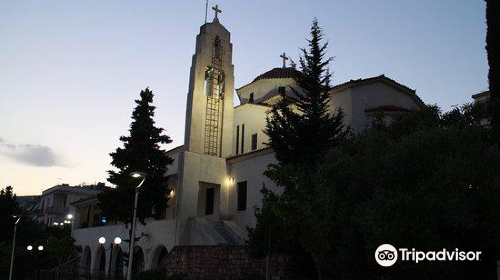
141	152
8	208
301	128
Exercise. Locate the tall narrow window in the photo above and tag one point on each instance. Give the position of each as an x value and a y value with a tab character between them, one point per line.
217	48
250	99
209	203
242	196
254	141
242	138
237	138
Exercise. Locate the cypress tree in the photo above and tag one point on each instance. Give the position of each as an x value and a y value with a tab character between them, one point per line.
301	128
141	152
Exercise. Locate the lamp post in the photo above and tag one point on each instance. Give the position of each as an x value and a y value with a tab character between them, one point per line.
132	238
117	242
40	249
70	222
13	248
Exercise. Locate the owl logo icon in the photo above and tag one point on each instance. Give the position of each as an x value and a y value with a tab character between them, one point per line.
386	255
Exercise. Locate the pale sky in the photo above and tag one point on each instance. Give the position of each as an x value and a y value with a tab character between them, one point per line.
70	70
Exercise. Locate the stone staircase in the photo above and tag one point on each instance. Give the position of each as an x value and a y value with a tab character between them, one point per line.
199	231
225	231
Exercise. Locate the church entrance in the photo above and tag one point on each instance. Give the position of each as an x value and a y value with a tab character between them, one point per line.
208	201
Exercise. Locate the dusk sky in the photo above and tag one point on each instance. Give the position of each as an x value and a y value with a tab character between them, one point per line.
70	70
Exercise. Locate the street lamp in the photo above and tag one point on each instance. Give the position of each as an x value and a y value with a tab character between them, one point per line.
116	242
102	240
70	222
132	238
13	247
40	249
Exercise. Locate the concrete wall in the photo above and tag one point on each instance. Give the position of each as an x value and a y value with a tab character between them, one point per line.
262	87
159	233
355	100
374	95
254	118
343	100
249	168
198	169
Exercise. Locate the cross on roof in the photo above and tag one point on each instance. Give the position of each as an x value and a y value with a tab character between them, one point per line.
285	58
217	11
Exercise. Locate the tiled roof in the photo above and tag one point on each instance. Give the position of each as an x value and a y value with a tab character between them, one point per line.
481	94
277	73
381	78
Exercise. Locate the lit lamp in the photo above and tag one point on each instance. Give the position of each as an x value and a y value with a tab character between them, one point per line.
29	248
117	242
40	248
102	240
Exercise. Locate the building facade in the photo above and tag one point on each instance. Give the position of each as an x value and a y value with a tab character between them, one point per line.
217	174
55	203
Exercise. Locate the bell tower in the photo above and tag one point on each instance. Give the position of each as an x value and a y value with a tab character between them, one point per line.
209	115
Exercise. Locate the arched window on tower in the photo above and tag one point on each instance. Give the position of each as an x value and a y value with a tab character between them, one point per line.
217	48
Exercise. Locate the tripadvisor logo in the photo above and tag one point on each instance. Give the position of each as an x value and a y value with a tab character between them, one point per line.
387	255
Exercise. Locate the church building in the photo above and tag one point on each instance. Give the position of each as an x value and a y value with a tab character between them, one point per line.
217	174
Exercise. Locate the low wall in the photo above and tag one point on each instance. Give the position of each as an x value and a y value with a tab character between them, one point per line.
221	262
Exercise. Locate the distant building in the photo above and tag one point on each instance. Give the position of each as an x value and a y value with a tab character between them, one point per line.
482	96
55	202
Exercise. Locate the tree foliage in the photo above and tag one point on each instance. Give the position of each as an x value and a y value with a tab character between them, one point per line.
493	51
58	245
8	209
427	181
301	127
141	152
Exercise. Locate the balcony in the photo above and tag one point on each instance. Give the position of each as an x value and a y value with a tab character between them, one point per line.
56	209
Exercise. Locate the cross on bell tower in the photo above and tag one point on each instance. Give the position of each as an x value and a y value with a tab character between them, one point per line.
285	58
217	11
